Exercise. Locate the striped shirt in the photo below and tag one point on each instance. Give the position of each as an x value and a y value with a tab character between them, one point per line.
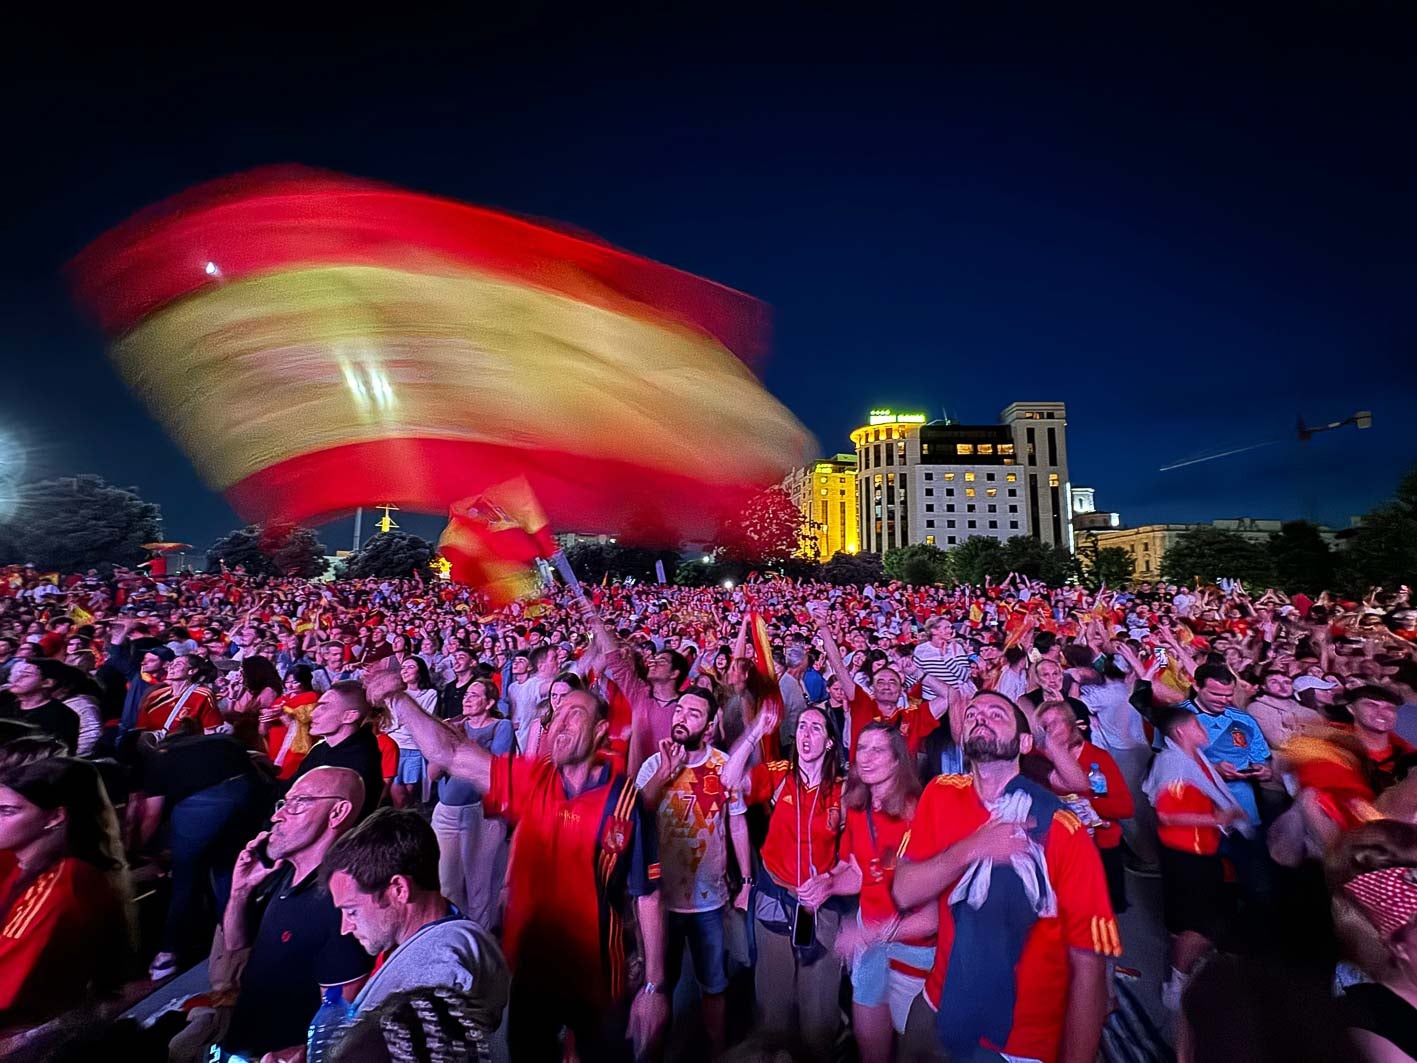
949	666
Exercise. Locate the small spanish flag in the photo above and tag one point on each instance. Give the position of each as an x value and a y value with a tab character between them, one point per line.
491	541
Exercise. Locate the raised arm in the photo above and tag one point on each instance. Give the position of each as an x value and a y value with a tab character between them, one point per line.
833	651
735	770
439	743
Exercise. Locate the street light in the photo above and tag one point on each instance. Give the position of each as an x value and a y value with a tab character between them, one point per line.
1361	419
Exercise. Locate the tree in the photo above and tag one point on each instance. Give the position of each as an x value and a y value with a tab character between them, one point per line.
593	562
766	531
240	548
1382	551
1211	554
858	569
919	565
277	548
978	557
1302	560
390	555
1111	565
78	522
1035	559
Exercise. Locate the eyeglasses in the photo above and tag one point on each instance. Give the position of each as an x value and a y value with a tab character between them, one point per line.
297	805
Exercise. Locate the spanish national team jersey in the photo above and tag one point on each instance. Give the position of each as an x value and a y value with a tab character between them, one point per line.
915	721
949	811
693	831
792	856
576	862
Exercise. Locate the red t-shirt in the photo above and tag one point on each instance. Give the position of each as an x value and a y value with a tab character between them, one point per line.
790	859
877	859
64	932
388	756
561	929
158	707
916	721
949	811
1180	797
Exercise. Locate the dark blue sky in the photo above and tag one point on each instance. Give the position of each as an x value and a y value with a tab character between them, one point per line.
1190	228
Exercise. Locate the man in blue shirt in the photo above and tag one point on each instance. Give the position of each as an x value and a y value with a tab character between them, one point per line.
1236	745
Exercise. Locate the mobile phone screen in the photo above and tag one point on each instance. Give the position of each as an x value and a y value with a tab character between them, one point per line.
804	927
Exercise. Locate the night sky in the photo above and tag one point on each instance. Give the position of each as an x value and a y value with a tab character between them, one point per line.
1191	229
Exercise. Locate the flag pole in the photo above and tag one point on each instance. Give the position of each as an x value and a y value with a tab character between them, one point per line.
568	574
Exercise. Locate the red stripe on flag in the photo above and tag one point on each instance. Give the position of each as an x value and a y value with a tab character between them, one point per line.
420	474
279	218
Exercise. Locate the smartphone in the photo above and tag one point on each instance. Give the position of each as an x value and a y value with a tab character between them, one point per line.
804	927
262	853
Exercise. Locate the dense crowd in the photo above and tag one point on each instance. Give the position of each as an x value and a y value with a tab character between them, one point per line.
783	820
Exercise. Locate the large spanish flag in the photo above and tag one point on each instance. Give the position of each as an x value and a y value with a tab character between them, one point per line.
316	343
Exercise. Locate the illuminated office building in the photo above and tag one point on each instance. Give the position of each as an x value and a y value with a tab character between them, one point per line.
940	483
825	492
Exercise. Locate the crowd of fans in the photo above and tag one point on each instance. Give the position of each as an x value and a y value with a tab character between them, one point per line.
804	821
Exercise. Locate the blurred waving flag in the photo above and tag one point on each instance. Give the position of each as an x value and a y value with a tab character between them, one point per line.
316	343
492	540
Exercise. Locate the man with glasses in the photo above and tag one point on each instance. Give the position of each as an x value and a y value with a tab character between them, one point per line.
279	944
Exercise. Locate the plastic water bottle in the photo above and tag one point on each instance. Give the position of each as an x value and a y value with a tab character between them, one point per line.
1097	781
327	1026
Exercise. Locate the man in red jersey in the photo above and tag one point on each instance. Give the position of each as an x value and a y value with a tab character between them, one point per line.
1020	968
581	852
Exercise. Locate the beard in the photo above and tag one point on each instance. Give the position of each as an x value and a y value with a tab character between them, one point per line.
984	747
691	742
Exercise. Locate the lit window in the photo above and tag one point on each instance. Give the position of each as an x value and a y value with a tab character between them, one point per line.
878	477
964	448
1011	477
991	491
925	449
1006	449
969	477
949	476
929	540
824	492
986	448
821	479
969	492
1052	479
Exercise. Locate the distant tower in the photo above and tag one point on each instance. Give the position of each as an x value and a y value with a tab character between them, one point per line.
386	523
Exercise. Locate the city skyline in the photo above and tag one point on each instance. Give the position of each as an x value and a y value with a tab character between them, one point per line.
943	216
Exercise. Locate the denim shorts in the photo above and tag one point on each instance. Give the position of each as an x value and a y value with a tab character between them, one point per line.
707	948
410	771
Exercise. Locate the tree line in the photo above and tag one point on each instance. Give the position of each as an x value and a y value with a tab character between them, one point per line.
74	523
